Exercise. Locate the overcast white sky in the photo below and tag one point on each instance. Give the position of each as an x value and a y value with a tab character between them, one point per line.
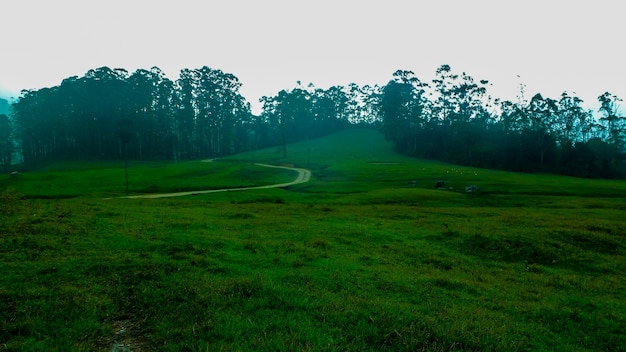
553	45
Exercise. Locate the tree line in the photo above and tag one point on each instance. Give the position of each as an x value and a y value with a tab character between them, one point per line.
454	119
112	114
86	117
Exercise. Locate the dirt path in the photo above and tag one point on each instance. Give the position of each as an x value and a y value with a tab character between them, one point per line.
304	175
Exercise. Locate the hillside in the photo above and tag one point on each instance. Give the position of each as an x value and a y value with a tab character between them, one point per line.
363	158
366	256
355	161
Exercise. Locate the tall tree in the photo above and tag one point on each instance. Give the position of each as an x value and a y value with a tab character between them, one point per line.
542	113
572	121
460	113
292	114
615	125
221	111
185	115
401	109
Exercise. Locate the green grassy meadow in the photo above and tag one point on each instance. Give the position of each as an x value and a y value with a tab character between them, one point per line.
367	256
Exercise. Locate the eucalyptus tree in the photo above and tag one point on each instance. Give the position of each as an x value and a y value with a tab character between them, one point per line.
295	113
325	111
243	120
221	110
332	109
345	105
185	115
202	114
164	109
142	86
292	114
401	110
459	113
299	109
269	127
443	83
571	120
109	94
615	125
542	113
211	114
151	108
459	97
208	92
512	117
33	118
282	115
368	101
74	102
355	109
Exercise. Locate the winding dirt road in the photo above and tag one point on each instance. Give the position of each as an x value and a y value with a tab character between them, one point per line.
304	175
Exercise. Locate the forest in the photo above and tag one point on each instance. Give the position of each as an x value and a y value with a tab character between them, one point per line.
113	114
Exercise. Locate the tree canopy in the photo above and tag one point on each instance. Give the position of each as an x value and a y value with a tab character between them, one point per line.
455	120
202	114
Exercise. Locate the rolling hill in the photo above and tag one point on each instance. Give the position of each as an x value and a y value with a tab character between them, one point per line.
367	256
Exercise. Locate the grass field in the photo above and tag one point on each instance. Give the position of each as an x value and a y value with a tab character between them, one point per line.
367	256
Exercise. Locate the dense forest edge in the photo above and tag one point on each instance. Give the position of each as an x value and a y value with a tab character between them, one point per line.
113	114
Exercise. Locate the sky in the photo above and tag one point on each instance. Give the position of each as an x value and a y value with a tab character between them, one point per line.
551	46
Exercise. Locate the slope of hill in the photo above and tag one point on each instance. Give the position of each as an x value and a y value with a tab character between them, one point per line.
367	256
360	160
352	162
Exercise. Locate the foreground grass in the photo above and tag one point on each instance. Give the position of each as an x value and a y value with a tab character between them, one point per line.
356	260
264	274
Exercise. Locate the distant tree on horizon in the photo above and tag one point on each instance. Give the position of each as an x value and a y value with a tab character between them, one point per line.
455	120
200	115
614	125
203	114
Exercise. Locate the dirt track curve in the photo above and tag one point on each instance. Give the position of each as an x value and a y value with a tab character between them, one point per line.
304	175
